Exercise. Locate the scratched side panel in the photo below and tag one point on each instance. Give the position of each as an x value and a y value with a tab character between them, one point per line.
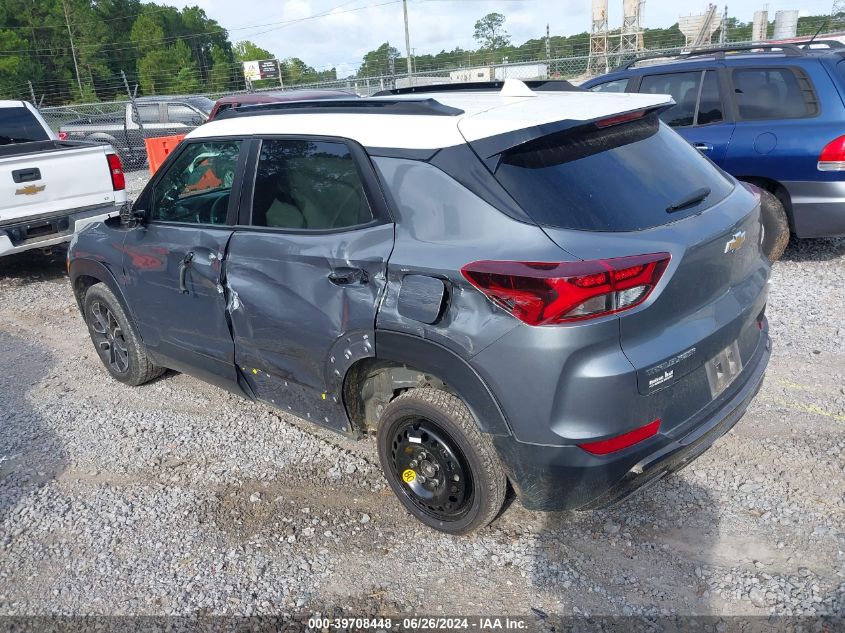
295	331
440	227
187	331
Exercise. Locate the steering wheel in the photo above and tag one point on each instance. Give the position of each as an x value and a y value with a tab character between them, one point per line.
221	207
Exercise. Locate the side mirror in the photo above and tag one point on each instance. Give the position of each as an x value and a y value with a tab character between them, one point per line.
131	216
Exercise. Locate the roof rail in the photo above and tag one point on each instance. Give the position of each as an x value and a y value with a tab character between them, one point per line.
539	85
790	50
807	46
428	107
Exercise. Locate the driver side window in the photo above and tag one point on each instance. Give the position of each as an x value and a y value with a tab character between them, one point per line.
196	187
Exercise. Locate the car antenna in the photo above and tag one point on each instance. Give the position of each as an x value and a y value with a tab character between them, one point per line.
816	34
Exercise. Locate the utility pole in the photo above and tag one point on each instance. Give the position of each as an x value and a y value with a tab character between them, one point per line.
548	43
723	32
408	42
72	48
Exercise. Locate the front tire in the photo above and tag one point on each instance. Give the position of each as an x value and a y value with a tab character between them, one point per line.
115	339
441	467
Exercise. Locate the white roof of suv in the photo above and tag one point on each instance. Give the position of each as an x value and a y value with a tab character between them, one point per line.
485	114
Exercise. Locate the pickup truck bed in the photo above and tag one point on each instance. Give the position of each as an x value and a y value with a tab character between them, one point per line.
49	188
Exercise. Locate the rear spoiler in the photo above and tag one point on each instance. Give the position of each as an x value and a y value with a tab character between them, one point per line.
490	149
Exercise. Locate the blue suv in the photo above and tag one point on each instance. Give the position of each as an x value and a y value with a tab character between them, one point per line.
771	115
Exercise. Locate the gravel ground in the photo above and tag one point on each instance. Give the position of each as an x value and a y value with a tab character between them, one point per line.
178	498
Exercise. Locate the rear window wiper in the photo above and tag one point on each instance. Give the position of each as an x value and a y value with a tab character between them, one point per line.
691	200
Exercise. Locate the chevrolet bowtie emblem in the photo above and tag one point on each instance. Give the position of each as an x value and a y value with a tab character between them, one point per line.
29	190
735	243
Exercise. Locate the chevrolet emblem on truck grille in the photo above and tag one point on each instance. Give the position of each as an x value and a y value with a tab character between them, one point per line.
29	190
735	243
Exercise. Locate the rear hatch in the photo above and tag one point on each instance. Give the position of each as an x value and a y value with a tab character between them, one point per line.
631	186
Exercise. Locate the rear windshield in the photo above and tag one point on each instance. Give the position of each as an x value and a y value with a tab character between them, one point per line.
203	104
18	125
626	177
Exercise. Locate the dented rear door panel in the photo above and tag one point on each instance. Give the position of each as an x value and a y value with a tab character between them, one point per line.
186	331
301	314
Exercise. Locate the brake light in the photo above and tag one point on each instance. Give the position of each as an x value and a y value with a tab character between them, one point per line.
613	444
62	136
539	293
621	118
118	180
832	157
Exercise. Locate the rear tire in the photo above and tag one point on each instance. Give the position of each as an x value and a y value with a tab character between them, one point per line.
441	467
775	225
115	339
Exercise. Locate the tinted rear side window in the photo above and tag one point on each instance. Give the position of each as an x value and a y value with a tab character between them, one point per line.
308	185
710	103
622	178
684	90
18	125
617	85
773	93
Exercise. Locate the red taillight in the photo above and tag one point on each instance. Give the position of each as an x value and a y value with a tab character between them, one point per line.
118	180
548	293
613	444
832	157
621	118
62	136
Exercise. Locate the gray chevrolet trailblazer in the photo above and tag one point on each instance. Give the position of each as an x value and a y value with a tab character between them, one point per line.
547	290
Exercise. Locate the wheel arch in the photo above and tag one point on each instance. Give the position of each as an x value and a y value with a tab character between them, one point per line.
775	188
85	273
404	361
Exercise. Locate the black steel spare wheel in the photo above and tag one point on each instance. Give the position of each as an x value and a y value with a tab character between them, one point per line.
443	469
109	339
432	469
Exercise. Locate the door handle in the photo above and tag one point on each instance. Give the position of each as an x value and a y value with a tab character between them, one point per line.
703	147
183	271
26	175
348	276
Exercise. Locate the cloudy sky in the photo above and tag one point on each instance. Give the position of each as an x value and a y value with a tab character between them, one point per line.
327	33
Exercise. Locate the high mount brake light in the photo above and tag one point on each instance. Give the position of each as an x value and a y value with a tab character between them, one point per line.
832	157
539	293
621	118
118	179
613	444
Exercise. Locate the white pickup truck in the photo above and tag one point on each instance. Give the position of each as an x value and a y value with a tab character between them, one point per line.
49	188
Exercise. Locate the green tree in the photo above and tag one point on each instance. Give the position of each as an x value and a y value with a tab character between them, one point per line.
220	78
169	70
490	33
14	68
381	61
247	51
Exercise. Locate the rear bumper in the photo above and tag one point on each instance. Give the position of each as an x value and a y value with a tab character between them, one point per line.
49	230
818	207
566	477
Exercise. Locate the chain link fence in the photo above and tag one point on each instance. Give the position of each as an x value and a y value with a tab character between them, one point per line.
126	124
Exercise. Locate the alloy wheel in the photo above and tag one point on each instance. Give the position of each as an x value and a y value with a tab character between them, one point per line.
109	337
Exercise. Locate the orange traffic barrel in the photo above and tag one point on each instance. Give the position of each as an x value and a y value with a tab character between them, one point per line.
158	148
